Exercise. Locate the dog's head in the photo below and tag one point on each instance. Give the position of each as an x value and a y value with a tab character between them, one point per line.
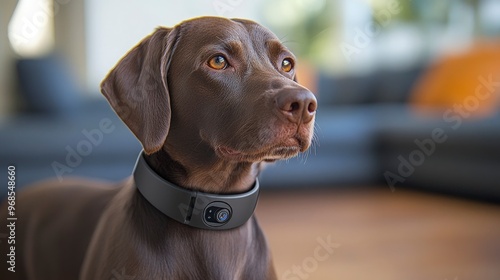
225	86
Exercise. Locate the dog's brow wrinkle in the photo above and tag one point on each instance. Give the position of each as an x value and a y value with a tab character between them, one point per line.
275	47
233	46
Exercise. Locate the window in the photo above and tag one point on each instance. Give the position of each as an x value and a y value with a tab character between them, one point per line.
31	29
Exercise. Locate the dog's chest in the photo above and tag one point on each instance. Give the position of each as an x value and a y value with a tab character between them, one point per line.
192	260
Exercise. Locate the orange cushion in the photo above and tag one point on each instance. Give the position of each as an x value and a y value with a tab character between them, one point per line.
470	79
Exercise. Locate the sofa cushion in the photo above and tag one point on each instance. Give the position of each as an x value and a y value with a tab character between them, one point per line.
47	86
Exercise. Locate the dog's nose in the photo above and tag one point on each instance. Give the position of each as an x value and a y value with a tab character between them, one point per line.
298	105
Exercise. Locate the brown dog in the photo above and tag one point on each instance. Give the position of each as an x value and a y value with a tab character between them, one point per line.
209	99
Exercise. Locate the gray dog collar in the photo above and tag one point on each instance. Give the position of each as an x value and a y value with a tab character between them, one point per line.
194	208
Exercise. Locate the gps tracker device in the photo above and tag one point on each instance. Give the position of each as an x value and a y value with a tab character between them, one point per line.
194	208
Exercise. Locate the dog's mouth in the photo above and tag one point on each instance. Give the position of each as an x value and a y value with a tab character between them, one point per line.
283	150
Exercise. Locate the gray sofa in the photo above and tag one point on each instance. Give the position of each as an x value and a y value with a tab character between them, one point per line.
363	126
368	135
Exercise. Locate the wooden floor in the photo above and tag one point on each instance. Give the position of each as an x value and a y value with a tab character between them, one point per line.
380	235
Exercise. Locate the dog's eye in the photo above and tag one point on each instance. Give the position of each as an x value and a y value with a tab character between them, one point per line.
218	62
287	65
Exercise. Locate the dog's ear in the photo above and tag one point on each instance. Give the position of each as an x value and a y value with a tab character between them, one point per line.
137	88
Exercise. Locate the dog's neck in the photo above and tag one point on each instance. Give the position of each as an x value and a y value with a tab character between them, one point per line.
210	174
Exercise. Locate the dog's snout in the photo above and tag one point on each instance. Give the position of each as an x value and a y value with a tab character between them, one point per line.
299	106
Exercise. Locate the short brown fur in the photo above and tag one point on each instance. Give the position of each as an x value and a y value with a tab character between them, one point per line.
202	129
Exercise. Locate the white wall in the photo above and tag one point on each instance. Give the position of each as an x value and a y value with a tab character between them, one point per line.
115	26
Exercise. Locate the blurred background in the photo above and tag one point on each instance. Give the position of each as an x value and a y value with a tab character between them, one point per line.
408	122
